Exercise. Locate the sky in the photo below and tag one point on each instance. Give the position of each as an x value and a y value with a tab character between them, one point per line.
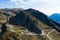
48	7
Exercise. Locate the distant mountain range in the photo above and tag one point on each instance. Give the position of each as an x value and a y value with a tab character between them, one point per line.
55	17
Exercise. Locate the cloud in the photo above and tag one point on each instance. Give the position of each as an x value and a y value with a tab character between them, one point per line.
46	6
27	3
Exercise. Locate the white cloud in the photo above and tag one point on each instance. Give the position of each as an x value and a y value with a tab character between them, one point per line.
46	6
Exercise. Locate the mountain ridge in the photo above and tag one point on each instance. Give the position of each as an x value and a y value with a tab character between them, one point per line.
24	23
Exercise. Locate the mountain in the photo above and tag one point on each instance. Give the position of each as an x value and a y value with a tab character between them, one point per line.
29	24
55	17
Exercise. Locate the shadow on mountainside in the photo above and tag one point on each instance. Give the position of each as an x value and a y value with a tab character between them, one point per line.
25	21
